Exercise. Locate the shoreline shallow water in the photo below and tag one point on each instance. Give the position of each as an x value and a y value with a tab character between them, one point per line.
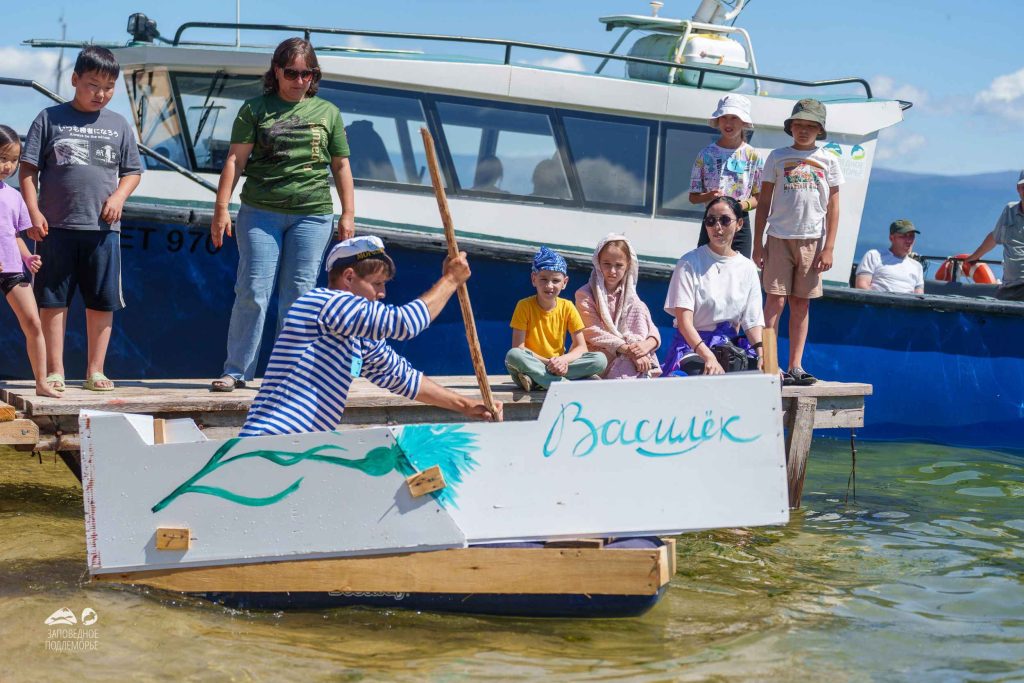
919	577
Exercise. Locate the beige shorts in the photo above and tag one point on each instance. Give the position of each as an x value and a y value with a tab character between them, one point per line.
789	268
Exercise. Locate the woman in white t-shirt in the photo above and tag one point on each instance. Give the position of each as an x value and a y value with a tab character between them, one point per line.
715	291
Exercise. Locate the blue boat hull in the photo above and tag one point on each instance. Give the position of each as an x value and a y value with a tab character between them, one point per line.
565	606
942	370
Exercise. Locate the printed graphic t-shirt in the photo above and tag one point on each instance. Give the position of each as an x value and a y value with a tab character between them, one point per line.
13	219
1009	232
293	143
80	156
546	330
736	172
800	199
890	273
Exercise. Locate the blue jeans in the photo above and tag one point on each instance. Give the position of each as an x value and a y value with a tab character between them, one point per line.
274	248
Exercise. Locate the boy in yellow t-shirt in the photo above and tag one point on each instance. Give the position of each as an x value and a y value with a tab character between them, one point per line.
539	325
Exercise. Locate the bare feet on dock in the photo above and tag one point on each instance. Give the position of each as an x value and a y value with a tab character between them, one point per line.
44	389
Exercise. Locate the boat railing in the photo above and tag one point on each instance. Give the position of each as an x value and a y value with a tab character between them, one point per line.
509	45
956	263
43	90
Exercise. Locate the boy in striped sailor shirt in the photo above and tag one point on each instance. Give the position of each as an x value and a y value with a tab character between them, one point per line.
333	335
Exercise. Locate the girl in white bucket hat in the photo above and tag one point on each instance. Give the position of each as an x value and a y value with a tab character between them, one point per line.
729	166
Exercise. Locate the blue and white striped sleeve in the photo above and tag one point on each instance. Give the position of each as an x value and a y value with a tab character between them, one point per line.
388	370
354	316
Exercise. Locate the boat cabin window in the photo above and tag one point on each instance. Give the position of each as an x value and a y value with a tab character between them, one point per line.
156	117
503	150
611	158
383	133
211	103
680	146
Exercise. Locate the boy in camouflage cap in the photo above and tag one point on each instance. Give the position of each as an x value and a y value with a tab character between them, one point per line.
799	205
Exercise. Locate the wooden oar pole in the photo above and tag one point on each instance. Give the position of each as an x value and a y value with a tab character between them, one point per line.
463	292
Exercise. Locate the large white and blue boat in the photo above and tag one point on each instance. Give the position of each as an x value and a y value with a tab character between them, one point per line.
582	154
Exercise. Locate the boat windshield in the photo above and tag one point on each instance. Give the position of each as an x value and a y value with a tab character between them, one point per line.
156	117
488	149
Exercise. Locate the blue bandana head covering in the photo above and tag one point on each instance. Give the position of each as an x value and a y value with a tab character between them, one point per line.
546	259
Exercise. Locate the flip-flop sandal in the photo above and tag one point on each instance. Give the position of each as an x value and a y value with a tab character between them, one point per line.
93	383
55	381
787	379
802	378
226	384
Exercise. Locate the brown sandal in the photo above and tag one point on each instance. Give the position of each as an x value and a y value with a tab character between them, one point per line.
226	384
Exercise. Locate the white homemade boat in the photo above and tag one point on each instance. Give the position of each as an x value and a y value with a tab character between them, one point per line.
335	518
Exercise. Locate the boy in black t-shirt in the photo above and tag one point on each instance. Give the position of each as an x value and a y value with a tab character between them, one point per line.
79	164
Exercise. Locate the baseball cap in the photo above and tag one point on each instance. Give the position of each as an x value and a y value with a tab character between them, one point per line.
1020	181
807	110
902	227
737	105
357	249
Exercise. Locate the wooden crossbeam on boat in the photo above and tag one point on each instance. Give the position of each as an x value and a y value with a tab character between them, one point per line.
501	571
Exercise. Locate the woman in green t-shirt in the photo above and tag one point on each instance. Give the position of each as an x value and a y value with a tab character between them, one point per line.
283	141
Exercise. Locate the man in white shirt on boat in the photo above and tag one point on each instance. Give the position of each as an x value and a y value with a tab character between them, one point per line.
895	270
1008	233
334	334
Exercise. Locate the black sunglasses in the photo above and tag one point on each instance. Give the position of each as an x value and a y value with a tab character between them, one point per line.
724	221
292	74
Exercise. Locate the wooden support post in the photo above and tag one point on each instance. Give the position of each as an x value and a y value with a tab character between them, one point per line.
771	351
7	412
159	431
172	539
19	432
427	481
799	422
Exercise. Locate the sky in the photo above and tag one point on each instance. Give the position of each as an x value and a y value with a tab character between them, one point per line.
959	62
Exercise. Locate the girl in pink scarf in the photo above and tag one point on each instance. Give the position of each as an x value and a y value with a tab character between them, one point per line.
618	323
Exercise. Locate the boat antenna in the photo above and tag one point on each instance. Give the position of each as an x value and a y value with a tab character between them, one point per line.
238	20
60	68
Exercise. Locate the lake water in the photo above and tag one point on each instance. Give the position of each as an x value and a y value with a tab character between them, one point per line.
919	578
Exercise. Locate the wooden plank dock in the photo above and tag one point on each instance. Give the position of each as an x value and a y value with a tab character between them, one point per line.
36	423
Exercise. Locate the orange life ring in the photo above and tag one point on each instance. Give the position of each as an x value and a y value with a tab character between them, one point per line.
979	272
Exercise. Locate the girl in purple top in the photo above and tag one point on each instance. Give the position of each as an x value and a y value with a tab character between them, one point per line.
15	258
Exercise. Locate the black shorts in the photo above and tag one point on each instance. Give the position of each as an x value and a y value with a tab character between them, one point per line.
88	260
9	281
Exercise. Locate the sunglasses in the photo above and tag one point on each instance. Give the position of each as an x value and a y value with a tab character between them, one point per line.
292	74
724	221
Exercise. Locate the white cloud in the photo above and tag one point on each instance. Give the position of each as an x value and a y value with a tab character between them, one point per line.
564	62
31	63
1004	97
899	143
887	88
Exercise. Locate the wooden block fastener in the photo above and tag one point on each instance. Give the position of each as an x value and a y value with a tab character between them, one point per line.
159	431
172	539
427	481
7	412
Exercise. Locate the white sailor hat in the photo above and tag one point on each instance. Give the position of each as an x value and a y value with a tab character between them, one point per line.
357	249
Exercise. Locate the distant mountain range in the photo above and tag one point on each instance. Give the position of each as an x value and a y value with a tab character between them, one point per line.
953	213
